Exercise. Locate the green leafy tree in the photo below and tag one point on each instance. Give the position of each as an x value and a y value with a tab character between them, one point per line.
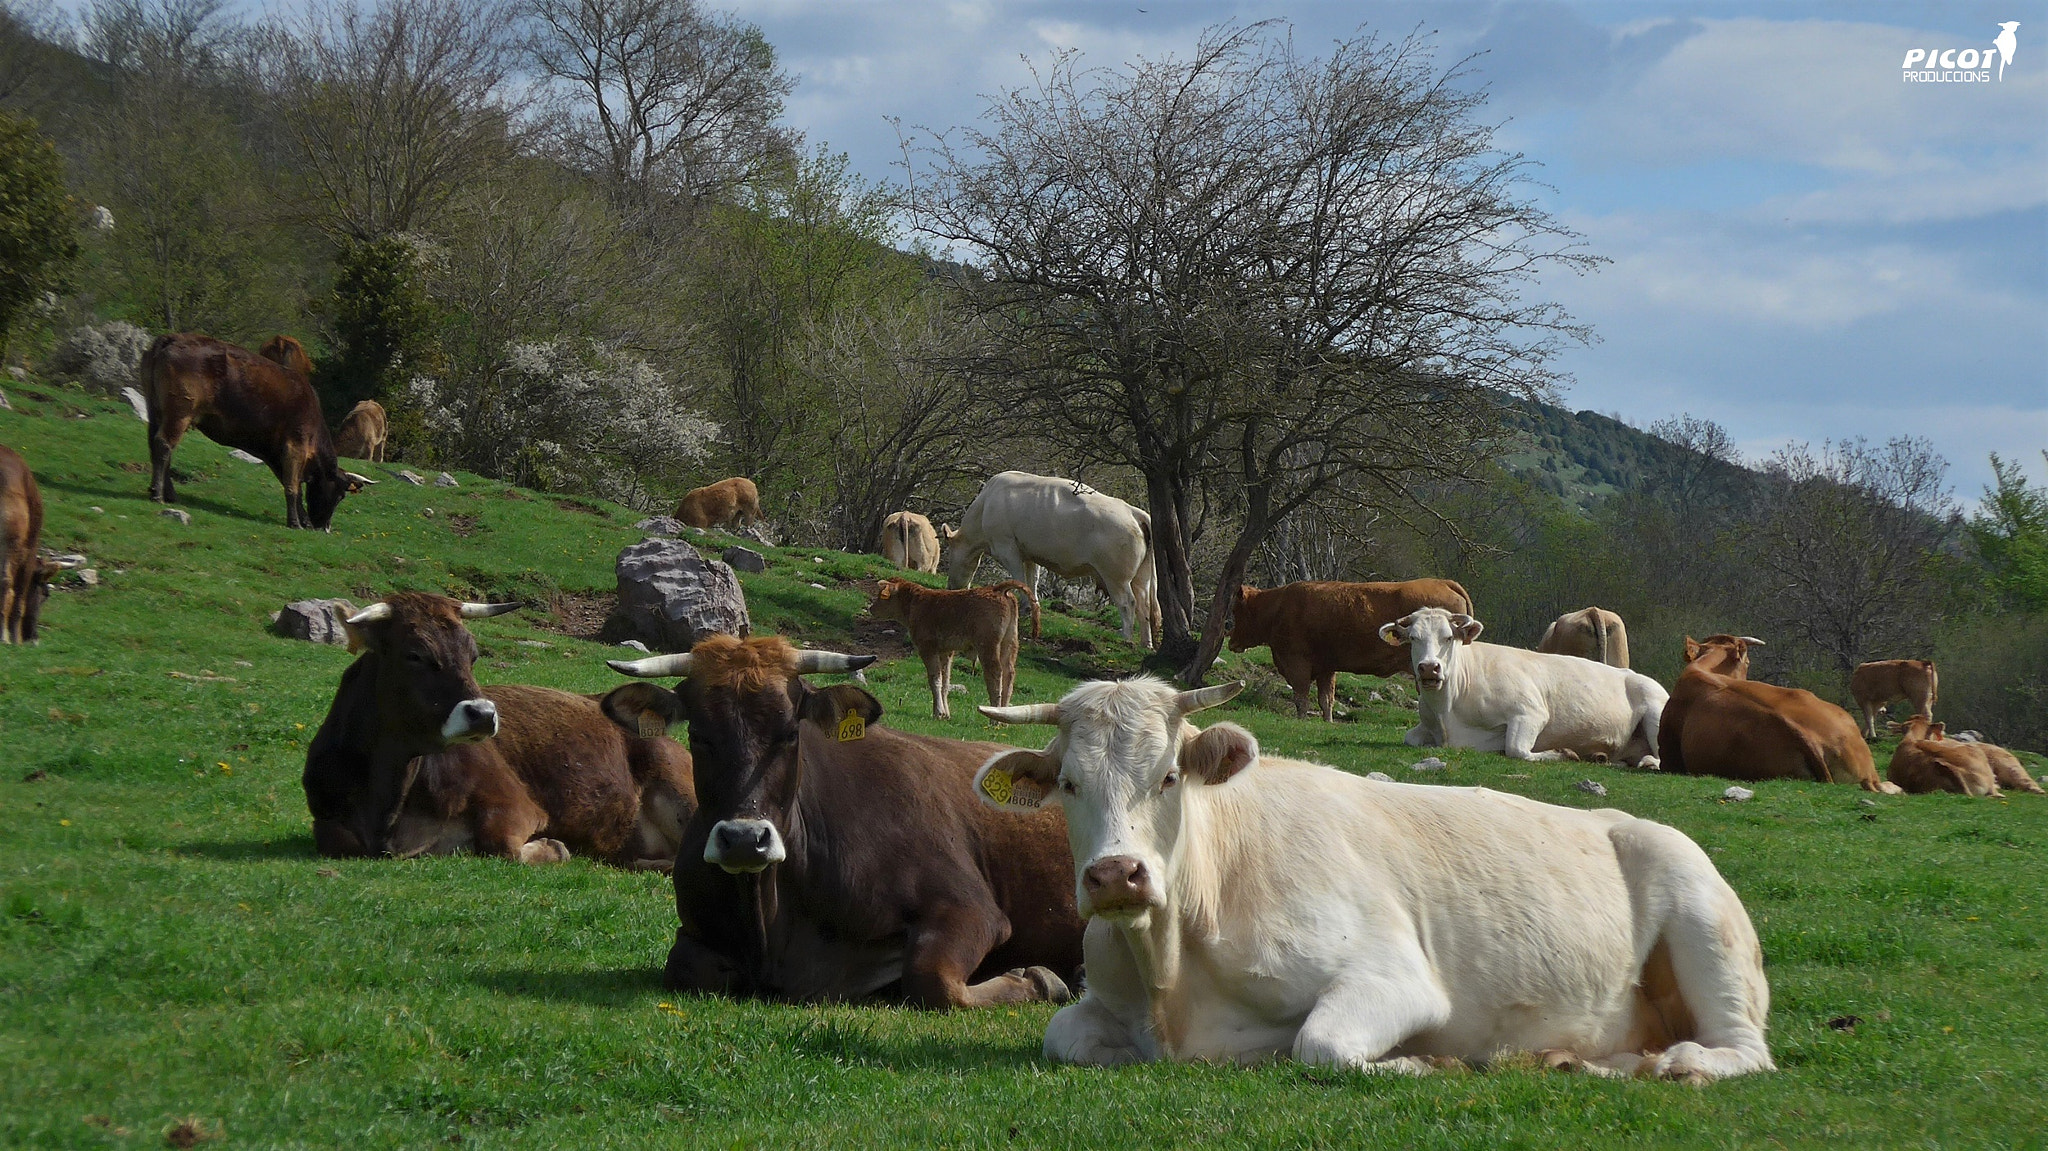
38	219
384	321
2011	533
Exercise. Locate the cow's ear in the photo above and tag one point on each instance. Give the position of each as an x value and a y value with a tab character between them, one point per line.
1466	628
1020	779
828	707
1692	649
642	709
1394	633
1219	753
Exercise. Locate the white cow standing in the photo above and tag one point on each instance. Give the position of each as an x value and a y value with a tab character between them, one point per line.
1243	906
1524	704
1028	522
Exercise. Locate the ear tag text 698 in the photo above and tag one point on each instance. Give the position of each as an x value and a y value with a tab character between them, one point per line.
852	727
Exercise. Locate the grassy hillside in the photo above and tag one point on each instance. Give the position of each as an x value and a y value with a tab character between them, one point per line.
171	949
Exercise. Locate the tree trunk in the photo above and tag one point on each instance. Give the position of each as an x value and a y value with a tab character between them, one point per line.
1173	567
1257	524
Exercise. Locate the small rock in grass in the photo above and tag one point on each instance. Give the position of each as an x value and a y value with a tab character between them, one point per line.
535	643
410	476
1738	794
660	526
819	586
1592	787
444	480
4	405
97	508
956	689
179	514
90	577
315	620
817	559
245	457
635	644
1967	736
136	401
744	559
1382	776
1430	764
1866	802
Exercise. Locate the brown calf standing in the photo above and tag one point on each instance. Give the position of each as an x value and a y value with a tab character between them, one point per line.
363	433
24	574
1927	761
941	623
1881	681
717	505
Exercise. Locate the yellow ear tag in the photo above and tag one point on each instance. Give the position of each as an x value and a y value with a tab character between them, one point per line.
997	784
852	727
651	726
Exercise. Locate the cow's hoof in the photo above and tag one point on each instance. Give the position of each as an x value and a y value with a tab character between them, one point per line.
1050	987
1558	1059
1650	763
1566	753
543	851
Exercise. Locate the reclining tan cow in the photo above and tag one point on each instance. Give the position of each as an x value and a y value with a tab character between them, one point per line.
1927	760
1719	722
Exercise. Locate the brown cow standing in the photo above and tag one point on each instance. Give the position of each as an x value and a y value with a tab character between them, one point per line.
1926	761
1590	633
415	759
24	574
979	619
363	433
1879	682
1318	628
289	352
909	541
843	859
1719	722
242	401
720	504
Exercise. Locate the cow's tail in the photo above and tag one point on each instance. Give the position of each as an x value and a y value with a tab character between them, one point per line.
1149	562
1933	685
149	374
1024	597
1600	630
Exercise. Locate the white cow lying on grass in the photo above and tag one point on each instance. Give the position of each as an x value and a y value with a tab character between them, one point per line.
1524	704
1243	907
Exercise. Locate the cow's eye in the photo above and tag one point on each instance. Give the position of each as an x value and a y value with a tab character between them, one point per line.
1067	785
414	657
1172	777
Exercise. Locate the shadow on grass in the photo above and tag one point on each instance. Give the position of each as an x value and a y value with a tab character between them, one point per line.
612	987
857	1044
242	850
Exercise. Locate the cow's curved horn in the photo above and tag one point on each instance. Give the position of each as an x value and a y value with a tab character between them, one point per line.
1752	641
375	613
1204	697
69	561
1024	713
487	610
809	661
654	666
361	479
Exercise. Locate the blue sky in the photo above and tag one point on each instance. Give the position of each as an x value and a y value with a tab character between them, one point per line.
1804	246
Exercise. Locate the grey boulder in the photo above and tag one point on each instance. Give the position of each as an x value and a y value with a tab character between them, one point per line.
315	620
671	598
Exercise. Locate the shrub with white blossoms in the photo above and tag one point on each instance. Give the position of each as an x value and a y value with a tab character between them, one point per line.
103	357
566	415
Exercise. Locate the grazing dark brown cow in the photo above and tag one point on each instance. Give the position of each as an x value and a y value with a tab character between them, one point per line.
24	574
843	859
721	504
363	432
1318	628
289	352
1877	683
1719	722
1927	761
243	401
978	619
415	759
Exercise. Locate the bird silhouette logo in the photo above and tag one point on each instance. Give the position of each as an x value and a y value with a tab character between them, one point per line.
2006	43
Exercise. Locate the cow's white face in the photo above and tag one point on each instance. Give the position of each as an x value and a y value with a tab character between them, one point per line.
1120	770
1433	636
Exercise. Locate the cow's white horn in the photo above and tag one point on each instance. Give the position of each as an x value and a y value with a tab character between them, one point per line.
654	666
1024	713
1752	641
808	661
1205	697
375	613
487	610
358	478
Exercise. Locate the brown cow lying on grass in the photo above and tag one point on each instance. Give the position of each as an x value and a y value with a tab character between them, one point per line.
1718	722
1319	628
1879	682
415	759
717	505
363	432
1927	760
980	619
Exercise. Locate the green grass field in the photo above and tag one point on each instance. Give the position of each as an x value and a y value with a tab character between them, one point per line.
172	951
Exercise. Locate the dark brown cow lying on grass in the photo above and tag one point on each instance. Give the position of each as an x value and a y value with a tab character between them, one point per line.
841	859
1719	722
242	400
1318	628
415	759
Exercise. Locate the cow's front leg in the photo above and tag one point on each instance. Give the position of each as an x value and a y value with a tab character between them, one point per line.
945	948
938	669
695	967
1520	741
1367	1013
1090	1033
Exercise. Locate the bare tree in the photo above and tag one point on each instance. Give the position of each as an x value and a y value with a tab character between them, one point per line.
658	97
1848	545
388	109
1294	280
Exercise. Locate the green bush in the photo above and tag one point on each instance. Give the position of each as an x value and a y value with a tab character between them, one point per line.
38	219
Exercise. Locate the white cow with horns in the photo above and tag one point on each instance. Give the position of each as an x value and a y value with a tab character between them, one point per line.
1524	704
1244	906
1028	522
